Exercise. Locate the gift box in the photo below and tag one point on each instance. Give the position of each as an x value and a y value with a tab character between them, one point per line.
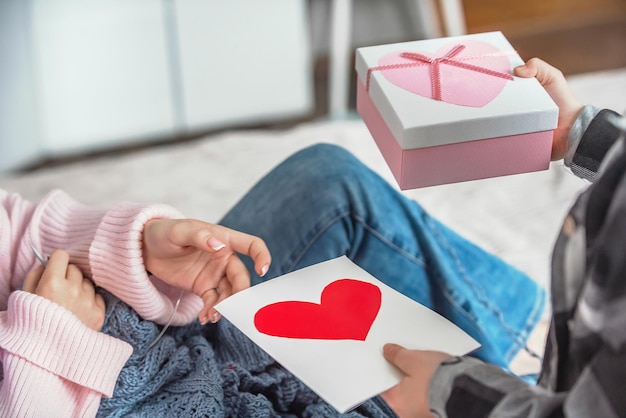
448	110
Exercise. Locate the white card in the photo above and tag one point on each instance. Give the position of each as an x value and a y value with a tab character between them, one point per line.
327	325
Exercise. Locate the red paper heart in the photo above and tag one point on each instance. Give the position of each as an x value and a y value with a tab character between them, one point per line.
346	311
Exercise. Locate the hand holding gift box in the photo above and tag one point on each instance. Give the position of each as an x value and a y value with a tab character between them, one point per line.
449	110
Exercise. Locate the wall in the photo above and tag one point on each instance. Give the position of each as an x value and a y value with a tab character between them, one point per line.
373	22
80	77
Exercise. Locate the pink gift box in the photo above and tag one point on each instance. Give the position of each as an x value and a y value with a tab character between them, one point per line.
448	110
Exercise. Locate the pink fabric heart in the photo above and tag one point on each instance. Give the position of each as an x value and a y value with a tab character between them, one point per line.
471	73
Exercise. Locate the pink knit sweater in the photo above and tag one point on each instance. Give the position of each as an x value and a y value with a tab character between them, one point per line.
54	365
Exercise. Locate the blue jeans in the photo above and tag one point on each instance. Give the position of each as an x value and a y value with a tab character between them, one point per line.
322	203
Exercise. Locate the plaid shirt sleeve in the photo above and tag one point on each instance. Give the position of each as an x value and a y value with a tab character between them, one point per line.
584	368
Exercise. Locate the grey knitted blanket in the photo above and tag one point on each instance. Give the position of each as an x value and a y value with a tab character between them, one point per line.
206	371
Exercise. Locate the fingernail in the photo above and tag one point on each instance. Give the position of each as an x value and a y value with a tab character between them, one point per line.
216	317
204	319
216	244
264	270
388	348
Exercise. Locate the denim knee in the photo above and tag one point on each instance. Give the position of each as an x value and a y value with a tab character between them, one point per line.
326	166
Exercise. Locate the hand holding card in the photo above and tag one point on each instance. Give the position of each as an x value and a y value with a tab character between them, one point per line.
327	324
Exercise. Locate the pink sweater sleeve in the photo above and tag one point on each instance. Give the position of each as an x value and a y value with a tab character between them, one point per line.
46	352
53	364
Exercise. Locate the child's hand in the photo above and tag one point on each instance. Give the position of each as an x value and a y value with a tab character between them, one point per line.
554	82
64	284
409	398
202	257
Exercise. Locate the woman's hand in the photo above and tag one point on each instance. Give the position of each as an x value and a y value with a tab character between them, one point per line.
64	284
409	398
554	82
202	257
